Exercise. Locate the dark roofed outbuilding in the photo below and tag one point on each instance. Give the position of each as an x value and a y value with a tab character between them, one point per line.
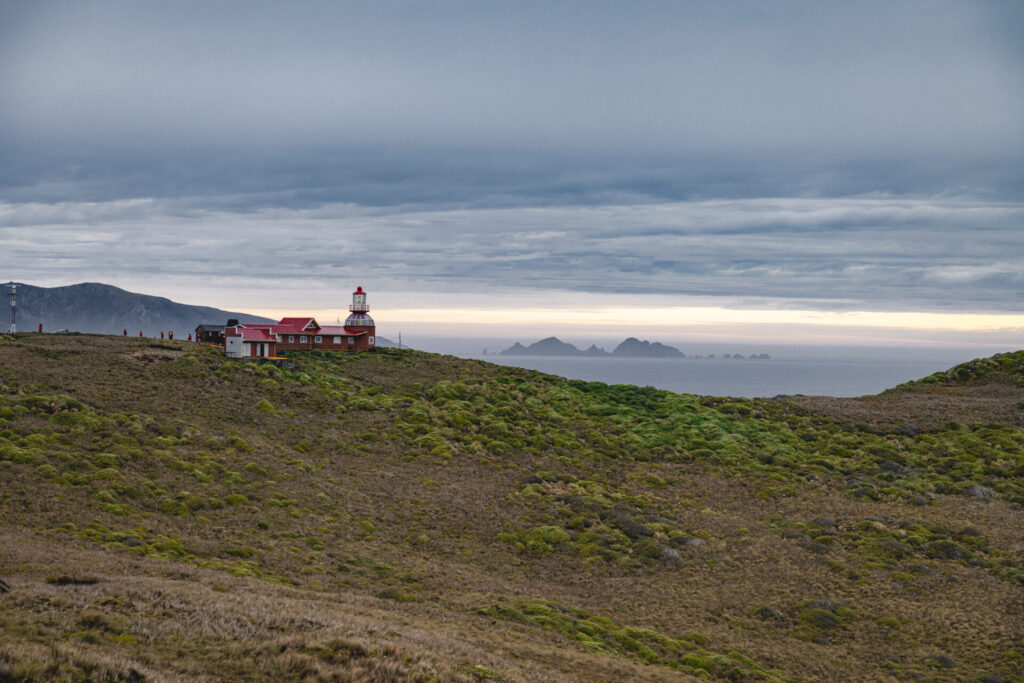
211	334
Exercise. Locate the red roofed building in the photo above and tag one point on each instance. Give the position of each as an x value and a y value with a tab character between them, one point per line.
244	342
304	334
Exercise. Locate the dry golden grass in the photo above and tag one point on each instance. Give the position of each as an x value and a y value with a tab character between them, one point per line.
148	619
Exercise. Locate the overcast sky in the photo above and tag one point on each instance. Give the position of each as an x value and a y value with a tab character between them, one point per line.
743	155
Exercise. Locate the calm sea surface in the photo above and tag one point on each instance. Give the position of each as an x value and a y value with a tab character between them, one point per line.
748	378
826	371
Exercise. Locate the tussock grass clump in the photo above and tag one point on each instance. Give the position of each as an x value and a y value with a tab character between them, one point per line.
686	654
28	663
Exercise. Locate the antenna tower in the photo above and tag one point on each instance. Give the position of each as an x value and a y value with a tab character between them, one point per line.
14	305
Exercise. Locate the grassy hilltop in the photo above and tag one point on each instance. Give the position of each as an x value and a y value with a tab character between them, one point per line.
167	514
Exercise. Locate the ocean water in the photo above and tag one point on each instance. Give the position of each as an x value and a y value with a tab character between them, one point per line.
747	378
807	370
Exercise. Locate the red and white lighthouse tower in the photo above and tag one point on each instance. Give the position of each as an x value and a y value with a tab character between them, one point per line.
359	321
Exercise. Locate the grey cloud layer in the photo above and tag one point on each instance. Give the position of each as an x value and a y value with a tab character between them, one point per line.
650	75
391	102
861	253
583	146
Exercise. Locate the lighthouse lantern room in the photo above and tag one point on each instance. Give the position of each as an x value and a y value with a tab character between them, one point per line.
358	304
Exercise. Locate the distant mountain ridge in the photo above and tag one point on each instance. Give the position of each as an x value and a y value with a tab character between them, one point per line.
631	347
551	346
628	348
105	309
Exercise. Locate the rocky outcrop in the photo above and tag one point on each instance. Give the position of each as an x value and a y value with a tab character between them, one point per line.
551	346
635	348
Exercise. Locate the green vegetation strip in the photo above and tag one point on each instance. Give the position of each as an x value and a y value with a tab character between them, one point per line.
140	465
687	653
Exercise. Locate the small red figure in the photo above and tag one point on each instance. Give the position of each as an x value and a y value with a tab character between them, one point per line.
190	336
126	332
40	328
140	333
161	334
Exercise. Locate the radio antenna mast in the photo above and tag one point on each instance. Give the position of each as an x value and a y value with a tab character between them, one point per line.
14	305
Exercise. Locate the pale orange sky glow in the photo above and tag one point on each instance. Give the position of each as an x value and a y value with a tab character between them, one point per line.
710	323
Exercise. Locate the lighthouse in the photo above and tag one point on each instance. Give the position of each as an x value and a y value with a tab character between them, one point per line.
359	321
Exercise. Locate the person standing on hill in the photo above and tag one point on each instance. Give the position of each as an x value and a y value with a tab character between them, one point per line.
40	328
126	332
161	334
170	335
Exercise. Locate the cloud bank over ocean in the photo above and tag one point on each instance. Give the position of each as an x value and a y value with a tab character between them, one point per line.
794	156
864	253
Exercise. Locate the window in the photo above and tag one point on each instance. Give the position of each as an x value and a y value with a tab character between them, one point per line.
371	341
337	340
318	339
302	339
291	338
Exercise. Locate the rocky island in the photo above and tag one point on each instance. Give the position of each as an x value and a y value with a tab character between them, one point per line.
628	348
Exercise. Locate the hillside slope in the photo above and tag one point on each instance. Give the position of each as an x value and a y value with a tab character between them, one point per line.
168	514
95	307
987	391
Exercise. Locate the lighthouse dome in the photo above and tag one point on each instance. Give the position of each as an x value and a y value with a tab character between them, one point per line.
359	320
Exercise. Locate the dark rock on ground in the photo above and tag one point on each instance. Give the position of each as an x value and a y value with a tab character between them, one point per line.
981	492
670	554
627	525
771	614
943	661
823	603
